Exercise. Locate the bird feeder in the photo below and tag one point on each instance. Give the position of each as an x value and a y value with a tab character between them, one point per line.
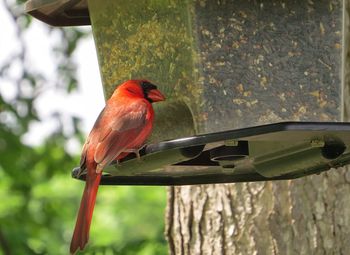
254	88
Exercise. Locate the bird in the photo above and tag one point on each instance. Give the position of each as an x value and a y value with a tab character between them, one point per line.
121	128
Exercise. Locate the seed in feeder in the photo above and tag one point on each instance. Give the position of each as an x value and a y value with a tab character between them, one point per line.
240	88
282	97
205	32
239	112
302	110
322	30
220	64
323	103
235	45
238	28
238	101
247	93
254	102
263	81
324	117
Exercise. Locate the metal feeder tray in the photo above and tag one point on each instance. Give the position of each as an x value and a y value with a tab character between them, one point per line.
280	151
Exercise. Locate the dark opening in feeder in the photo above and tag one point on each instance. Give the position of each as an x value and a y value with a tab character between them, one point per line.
224	66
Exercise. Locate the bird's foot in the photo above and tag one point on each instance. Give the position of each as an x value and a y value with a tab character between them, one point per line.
136	152
99	168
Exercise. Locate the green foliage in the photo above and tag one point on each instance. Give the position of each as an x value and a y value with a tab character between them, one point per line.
39	199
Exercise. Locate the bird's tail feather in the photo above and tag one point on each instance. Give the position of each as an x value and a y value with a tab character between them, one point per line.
82	226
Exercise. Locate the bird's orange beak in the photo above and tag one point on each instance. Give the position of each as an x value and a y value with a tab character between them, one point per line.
155	95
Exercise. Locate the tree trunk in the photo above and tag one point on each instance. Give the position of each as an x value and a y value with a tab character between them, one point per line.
310	215
306	216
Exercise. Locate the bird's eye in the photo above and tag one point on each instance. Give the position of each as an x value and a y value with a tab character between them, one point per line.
147	86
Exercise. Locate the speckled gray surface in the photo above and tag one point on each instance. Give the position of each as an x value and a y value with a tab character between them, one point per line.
265	61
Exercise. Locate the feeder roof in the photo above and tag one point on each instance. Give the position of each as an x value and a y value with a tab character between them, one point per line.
59	12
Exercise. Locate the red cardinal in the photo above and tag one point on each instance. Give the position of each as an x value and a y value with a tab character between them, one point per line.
122	127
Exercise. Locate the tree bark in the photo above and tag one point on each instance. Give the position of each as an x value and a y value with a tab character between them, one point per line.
310	215
305	216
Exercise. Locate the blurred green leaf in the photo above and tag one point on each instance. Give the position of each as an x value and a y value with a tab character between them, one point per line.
39	199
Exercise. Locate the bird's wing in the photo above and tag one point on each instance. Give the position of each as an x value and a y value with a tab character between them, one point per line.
124	125
84	151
